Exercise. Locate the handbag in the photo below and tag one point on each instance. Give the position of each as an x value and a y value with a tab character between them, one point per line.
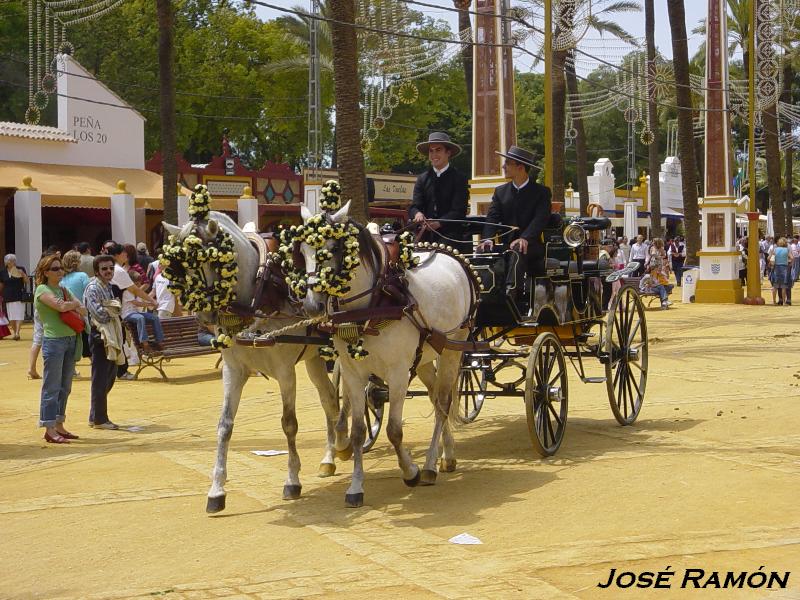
72	318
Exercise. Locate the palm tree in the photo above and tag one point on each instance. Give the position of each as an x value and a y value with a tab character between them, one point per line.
653	160
680	64
166	78
788	154
348	116
464	22
601	21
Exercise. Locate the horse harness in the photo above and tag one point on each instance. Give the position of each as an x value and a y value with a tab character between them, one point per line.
391	300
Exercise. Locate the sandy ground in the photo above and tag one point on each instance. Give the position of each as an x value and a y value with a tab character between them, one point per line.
707	478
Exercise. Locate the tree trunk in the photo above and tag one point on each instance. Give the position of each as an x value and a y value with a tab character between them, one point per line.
772	152
559	90
581	153
653	160
680	60
788	190
464	22
166	70
348	115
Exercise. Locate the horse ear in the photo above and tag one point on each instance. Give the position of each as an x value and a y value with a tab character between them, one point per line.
341	214
171	229
305	213
212	227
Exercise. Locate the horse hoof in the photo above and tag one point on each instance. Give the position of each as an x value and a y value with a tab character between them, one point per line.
345	454
428	477
354	500
327	469
291	492
215	504
414	481
449	465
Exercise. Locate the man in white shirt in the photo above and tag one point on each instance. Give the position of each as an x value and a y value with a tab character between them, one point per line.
639	255
163	296
123	282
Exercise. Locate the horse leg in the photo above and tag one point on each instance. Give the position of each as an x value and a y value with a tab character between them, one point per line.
394	428
234	376
327	396
288	387
446	374
354	497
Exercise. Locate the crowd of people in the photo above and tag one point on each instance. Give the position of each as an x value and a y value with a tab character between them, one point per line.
80	302
779	261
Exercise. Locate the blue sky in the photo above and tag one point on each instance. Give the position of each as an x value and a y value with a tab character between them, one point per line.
633	22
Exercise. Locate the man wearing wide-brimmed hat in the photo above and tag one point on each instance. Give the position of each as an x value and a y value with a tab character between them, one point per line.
441	192
521	203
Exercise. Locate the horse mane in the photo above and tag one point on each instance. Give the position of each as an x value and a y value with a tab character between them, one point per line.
368	249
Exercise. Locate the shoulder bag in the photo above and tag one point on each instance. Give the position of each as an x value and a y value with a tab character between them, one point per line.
72	318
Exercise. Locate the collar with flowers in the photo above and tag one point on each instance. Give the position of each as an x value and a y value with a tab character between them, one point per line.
182	261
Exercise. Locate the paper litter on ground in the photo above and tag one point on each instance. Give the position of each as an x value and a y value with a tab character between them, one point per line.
464	539
269	452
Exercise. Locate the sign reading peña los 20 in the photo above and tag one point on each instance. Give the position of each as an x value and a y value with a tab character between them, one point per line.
88	129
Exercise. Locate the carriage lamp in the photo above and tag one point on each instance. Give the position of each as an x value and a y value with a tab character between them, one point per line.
574	235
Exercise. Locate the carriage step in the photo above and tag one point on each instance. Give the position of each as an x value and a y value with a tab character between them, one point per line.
582	337
593	379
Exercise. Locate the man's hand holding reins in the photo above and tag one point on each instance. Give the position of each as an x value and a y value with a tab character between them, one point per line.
520	245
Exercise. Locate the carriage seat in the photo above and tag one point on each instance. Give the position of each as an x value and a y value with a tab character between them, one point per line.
571	266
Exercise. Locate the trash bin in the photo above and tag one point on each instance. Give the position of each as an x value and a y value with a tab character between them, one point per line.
690	277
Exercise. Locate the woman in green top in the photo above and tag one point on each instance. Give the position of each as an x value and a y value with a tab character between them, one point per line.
58	348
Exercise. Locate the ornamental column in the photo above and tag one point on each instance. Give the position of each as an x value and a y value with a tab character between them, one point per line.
27	225
248	208
183	207
493	114
719	258
123	215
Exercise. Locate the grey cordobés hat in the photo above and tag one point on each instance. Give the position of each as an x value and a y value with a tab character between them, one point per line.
520	155
437	137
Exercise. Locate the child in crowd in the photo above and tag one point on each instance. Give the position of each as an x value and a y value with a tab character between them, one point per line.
133	312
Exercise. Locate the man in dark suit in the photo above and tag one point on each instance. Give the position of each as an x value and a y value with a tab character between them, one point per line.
441	192
521	203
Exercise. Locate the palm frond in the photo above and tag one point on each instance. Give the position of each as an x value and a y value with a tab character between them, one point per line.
601	26
620	7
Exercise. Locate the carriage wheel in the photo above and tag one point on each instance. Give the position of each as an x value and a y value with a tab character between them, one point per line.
373	415
472	387
626	355
546	394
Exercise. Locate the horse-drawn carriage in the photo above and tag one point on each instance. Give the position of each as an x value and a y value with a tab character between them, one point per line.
524	337
449	320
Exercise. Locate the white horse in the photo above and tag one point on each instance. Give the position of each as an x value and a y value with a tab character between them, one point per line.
278	362
444	294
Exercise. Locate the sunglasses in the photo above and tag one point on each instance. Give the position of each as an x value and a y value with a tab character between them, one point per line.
55	269
106	269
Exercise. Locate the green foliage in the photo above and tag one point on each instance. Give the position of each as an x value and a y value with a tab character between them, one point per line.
221	54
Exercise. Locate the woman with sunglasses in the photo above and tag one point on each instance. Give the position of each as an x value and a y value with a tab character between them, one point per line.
58	348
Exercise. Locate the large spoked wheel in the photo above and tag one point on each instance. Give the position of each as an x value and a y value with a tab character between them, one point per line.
546	394
472	387
626	355
373	415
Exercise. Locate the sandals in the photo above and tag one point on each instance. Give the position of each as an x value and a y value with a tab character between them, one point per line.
55	439
67	435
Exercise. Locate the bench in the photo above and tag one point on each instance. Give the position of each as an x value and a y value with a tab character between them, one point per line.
649	296
180	341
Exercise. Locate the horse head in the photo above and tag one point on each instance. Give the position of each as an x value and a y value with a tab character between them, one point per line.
200	274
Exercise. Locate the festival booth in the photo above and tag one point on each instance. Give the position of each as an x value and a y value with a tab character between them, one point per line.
83	180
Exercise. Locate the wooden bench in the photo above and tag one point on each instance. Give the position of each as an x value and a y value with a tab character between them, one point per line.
180	340
648	296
